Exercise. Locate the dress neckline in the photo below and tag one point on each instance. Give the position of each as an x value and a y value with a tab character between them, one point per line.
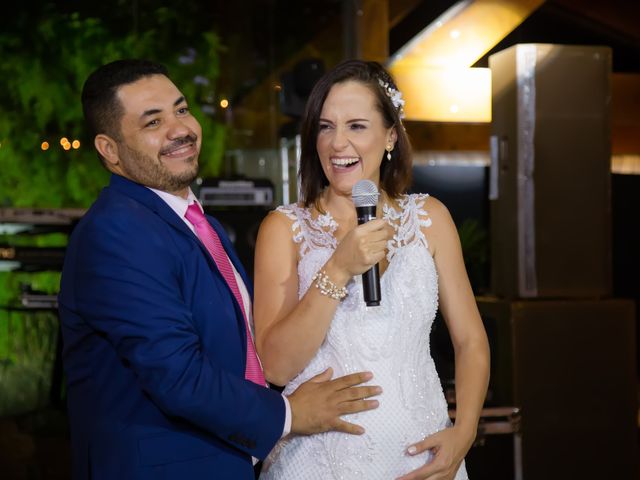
326	223
407	216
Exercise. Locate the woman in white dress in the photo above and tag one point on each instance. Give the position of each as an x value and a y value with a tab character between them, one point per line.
309	309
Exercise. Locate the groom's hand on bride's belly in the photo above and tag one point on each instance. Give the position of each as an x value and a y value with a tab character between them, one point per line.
317	404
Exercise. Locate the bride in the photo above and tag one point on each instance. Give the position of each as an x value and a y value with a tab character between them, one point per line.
309	309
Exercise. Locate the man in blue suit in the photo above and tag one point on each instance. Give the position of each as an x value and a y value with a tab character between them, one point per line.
155	342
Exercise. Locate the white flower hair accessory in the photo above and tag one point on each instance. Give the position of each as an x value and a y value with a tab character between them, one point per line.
394	95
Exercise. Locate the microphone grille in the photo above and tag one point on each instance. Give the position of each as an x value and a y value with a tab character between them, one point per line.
364	194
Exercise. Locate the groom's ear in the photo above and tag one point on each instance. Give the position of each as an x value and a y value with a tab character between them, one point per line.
107	148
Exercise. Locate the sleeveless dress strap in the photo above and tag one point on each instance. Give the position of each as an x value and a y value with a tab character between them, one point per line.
407	222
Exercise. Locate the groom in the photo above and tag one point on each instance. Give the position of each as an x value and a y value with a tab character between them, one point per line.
163	379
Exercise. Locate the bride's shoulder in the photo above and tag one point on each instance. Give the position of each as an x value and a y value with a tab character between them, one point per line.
279	219
441	227
437	212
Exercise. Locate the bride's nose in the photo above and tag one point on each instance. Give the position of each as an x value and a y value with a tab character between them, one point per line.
340	139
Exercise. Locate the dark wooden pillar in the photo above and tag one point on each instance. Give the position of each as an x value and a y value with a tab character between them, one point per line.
366	29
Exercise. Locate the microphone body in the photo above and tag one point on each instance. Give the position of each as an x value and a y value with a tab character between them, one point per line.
370	278
365	199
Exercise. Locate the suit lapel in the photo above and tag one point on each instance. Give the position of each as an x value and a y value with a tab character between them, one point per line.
148	198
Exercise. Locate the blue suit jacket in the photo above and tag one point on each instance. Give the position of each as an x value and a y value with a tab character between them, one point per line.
155	348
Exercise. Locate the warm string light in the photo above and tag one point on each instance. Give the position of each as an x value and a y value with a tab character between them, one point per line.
64	143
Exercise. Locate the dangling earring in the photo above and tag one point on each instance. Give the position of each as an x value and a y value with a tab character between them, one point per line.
389	148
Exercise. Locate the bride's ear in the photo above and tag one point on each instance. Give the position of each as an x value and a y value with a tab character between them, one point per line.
393	136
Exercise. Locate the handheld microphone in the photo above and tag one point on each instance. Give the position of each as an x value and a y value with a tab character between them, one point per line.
365	198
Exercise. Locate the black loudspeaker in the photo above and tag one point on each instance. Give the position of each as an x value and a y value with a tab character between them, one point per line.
569	366
464	190
625	190
241	224
297	85
550	171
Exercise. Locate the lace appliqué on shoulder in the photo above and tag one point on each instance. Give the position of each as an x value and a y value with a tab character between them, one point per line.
310	232
407	222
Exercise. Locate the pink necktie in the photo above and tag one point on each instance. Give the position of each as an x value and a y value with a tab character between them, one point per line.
211	241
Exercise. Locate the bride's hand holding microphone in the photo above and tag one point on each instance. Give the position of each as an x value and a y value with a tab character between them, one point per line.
360	249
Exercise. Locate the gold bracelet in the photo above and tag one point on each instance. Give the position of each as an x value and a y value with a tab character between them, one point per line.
327	287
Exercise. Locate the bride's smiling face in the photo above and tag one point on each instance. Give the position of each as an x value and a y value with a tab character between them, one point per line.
352	136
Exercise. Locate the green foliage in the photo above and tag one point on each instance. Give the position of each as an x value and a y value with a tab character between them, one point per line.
45	61
27	338
46	55
27	351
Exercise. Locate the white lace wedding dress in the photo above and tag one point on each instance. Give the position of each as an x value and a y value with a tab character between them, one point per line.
391	340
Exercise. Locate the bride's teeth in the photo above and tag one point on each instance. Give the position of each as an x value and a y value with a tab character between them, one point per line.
344	161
